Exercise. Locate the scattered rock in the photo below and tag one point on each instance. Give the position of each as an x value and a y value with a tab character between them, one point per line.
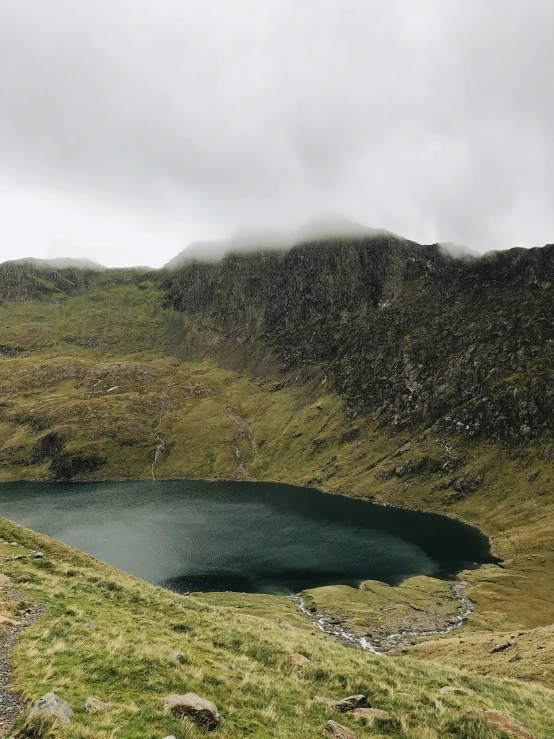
297	660
138	612
13	543
515	658
351	703
170	737
450	689
178	657
346	704
284	624
502	646
532	477
4	579
93	704
52	705
514	729
18	556
9	621
202	712
371	713
222	666
91	625
36	555
337	731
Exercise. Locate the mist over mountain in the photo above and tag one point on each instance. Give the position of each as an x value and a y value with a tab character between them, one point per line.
61	263
252	240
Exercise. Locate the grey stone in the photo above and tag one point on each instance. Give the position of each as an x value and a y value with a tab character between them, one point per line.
52	705
200	711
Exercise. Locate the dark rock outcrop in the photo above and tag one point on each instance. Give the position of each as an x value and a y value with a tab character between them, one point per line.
409	334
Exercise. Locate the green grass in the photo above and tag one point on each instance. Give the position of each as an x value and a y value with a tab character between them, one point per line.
236	660
117	335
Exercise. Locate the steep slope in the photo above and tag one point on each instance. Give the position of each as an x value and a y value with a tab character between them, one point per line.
107	634
409	334
370	367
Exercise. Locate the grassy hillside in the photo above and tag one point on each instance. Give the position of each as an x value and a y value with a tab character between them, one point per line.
101	382
110	635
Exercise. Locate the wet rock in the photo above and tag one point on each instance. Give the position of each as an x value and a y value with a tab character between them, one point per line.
338	731
51	705
93	704
297	660
514	729
200	711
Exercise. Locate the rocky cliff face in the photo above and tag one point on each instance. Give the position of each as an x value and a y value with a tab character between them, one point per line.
411	335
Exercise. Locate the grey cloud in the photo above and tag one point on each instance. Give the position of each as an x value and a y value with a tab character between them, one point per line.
427	118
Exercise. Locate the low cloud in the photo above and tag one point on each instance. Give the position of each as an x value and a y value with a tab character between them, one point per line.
129	129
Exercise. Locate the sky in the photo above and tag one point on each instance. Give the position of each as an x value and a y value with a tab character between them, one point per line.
131	128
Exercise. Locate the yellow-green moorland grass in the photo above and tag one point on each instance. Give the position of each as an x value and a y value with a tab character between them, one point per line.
108	634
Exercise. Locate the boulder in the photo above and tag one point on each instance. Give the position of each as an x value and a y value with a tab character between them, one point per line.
200	711
338	731
50	705
451	689
502	646
351	702
297	660
514	729
178	657
371	713
93	704
346	704
284	624
36	555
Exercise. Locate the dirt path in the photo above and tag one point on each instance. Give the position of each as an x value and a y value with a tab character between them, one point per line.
11	704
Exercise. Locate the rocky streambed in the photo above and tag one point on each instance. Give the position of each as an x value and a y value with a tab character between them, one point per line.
384	639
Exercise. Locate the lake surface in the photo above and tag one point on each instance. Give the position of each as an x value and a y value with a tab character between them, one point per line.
245	536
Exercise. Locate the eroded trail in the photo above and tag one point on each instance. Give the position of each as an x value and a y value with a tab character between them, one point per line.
385	643
11	703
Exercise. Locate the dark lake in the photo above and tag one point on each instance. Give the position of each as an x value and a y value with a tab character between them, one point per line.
245	536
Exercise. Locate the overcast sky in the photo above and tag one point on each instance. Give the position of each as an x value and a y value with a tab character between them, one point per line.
130	128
